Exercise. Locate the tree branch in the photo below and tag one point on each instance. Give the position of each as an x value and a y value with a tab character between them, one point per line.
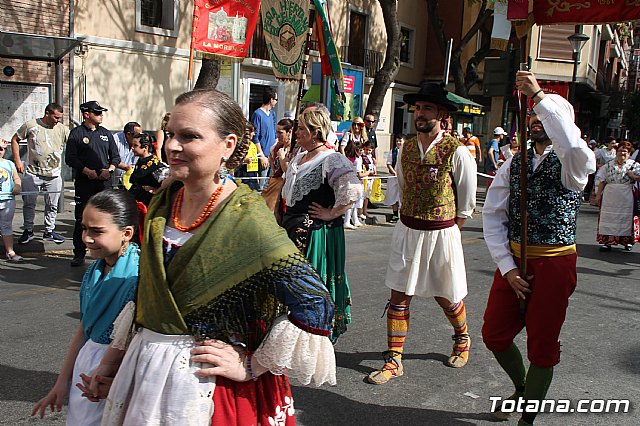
437	24
391	64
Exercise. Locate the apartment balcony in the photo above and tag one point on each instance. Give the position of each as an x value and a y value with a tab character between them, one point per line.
616	101
370	60
601	81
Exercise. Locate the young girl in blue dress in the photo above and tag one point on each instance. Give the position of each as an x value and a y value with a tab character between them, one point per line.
108	225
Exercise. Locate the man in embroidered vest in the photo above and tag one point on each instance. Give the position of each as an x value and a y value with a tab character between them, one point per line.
559	163
437	181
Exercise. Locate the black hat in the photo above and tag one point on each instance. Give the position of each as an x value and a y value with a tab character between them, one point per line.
92	106
431	92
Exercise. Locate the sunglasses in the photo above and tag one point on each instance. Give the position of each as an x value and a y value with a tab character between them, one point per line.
96	112
371	121
359	124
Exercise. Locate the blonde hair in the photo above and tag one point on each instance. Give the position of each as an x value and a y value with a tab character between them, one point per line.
363	133
316	120
165	121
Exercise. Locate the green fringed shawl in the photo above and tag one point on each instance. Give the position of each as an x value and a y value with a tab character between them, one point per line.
240	239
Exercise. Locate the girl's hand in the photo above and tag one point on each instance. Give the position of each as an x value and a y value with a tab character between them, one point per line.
94	386
103	384
17	188
632	175
54	399
225	360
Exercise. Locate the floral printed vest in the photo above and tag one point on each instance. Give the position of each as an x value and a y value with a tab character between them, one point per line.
428	192
552	208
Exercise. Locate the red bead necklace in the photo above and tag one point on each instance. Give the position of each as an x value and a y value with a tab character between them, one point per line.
206	212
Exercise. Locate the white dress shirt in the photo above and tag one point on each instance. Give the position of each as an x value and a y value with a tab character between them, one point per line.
577	160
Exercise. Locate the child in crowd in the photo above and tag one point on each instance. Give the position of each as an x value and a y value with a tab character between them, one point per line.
149	171
10	185
250	167
392	197
368	164
108	223
354	153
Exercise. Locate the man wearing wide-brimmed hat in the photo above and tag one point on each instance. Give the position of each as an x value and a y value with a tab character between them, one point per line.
437	180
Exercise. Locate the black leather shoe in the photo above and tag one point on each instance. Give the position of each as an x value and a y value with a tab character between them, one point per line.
77	261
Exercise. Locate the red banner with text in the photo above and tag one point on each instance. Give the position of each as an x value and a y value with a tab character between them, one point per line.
585	12
552	86
224	27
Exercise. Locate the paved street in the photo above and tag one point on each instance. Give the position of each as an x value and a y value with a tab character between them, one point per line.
600	340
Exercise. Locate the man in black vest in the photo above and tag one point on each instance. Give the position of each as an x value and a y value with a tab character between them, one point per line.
558	172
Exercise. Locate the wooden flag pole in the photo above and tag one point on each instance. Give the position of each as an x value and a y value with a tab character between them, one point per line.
192	47
303	75
305	59
525	65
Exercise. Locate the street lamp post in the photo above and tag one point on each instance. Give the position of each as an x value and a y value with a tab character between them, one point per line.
577	40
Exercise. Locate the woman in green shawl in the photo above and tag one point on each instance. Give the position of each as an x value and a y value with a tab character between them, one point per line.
226	304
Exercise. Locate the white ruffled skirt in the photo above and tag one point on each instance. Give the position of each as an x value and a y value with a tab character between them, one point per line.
156	384
83	412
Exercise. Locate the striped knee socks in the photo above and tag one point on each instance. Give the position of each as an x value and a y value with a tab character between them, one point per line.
397	327
457	316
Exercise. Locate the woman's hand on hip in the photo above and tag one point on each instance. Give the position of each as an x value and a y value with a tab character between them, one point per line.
316	211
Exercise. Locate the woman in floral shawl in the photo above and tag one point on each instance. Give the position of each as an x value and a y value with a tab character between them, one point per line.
226	304
320	186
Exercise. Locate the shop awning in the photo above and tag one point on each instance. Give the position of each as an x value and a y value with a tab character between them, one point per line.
466	106
35	47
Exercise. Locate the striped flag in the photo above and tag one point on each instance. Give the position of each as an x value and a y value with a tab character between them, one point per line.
329	56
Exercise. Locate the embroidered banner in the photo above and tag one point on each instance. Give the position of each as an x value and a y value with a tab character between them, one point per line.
285	24
224	27
585	12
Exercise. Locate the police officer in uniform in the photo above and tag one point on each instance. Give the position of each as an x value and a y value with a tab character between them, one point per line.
93	155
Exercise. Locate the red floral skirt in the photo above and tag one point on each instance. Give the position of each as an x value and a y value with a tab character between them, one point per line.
267	401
